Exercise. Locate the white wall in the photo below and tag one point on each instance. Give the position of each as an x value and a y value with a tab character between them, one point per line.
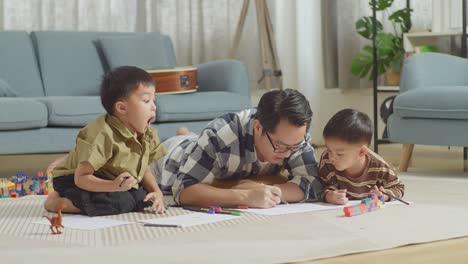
334	100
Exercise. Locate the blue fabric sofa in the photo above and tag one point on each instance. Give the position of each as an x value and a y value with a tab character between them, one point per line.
49	86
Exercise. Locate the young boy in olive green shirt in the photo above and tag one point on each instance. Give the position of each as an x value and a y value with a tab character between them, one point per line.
107	172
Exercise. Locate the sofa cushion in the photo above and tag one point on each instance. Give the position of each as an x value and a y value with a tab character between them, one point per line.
22	113
440	102
18	64
72	111
70	62
149	51
5	90
198	105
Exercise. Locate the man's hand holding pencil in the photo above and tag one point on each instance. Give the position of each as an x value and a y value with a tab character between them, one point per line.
261	195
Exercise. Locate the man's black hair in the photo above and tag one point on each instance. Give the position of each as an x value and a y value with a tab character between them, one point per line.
286	104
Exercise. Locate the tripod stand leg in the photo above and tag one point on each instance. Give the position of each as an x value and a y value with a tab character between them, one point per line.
273	50
268	52
267	67
240	26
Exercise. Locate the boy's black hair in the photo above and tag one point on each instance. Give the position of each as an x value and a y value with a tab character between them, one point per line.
283	104
120	82
350	126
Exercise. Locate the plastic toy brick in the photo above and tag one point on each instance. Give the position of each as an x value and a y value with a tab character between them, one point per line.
21	184
366	201
363	208
369	204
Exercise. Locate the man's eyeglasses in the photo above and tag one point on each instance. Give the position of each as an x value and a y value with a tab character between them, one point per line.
284	149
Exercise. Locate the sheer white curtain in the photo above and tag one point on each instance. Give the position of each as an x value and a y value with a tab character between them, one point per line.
341	42
299	43
201	30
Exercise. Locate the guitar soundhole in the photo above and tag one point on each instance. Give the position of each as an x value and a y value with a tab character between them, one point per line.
184	80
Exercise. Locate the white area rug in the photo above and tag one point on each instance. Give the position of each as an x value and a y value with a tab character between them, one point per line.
439	212
17	217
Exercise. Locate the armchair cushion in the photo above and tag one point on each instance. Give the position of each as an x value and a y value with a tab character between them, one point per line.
433	69
441	102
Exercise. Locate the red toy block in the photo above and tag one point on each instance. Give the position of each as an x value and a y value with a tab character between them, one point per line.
363	208
348	210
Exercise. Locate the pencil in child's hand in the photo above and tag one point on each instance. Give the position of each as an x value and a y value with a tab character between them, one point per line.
394	197
124	179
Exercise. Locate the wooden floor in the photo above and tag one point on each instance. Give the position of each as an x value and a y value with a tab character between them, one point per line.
30	164
451	251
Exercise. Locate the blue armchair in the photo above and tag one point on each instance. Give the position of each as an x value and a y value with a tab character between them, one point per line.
432	107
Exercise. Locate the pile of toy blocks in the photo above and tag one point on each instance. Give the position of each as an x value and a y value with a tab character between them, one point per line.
21	185
371	203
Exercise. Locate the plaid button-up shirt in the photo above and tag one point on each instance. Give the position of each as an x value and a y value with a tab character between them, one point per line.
225	150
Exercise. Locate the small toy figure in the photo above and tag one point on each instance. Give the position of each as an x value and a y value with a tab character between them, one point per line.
20	179
34	187
56	221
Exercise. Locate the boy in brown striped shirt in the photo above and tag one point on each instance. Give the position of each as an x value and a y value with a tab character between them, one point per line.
348	168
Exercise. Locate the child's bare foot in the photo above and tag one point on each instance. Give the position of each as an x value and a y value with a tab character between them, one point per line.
182	131
54	163
54	200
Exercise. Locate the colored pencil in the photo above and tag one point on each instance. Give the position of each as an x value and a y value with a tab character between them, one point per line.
396	198
208	211
162	225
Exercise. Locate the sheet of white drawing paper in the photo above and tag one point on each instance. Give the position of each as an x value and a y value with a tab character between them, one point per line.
85	222
294	208
190	219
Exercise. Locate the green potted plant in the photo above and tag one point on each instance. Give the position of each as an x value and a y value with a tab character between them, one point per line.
390	50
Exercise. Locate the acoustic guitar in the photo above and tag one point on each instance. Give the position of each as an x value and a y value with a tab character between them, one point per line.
175	80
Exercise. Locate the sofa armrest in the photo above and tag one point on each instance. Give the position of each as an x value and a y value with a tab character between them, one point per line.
426	70
224	75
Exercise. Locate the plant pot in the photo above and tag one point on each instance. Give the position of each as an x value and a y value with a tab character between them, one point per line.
392	78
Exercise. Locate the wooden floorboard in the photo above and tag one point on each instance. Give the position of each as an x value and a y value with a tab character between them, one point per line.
451	251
